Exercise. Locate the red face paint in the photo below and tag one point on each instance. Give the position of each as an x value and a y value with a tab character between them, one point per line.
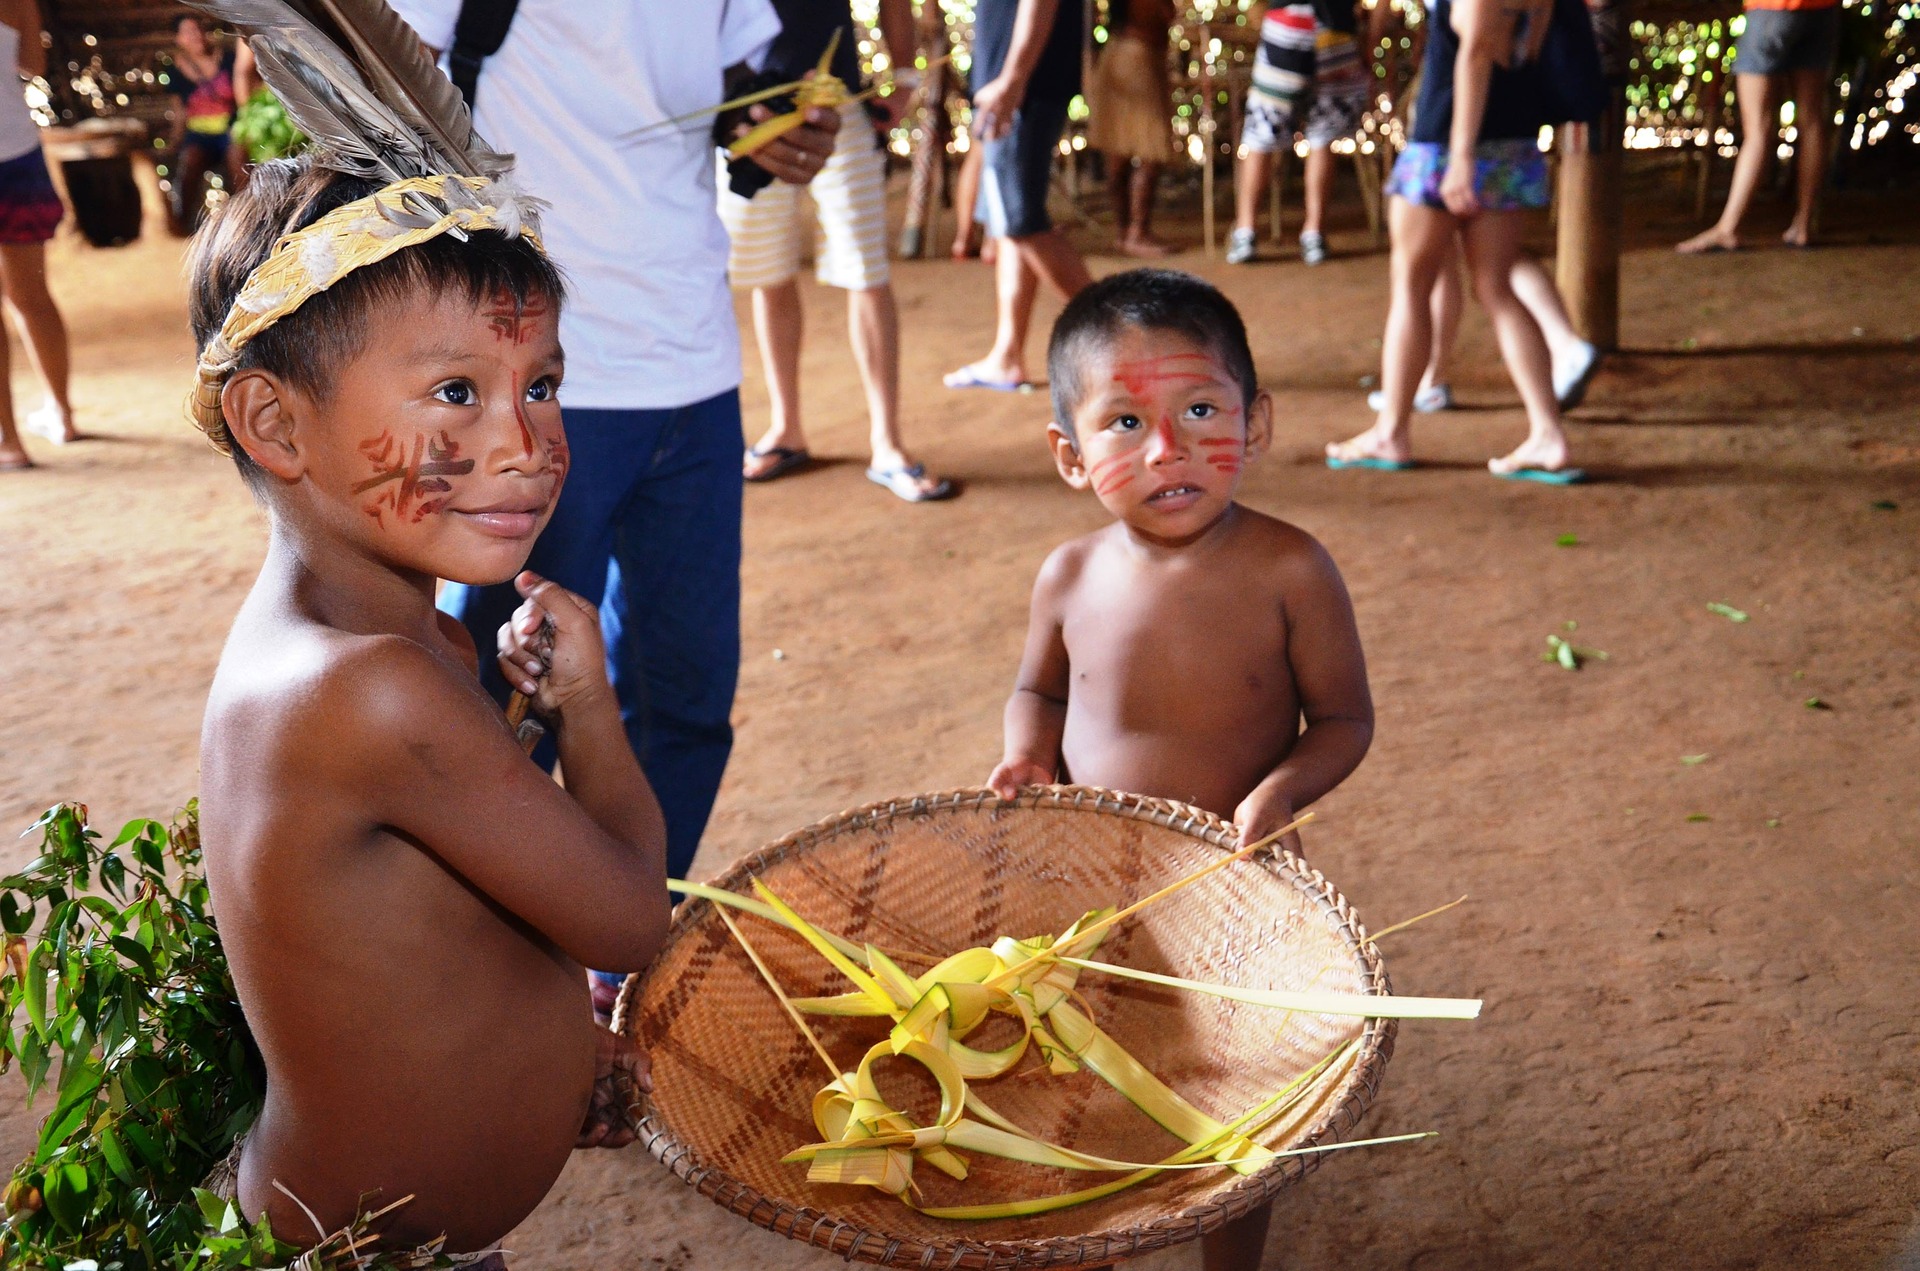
513	321
527	443
405	485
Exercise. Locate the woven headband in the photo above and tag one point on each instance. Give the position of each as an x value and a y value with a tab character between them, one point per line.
352	236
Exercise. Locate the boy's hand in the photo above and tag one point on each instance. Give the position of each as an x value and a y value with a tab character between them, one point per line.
551	648
620	1075
1014	773
1260	814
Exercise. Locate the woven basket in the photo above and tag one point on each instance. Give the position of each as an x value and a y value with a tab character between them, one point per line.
733	1080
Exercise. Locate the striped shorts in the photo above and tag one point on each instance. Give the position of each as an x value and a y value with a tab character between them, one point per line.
1306	79
850	221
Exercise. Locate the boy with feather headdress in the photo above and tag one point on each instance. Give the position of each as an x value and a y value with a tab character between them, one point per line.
406	900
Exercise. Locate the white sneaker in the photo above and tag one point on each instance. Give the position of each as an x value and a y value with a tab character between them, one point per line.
1428	401
1240	247
1570	381
1313	248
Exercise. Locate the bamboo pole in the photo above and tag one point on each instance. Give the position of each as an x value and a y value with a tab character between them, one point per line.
928	180
1207	135
1592	177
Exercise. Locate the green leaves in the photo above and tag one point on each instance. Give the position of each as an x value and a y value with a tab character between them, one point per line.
125	985
1569	655
1567	540
1727	611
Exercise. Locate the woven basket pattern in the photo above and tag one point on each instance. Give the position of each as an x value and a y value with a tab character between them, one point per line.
733	1081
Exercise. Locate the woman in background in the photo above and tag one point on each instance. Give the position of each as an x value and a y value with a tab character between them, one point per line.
1132	116
30	210
205	81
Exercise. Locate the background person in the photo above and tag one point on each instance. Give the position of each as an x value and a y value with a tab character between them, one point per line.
1026	61
1789	46
850	198
1308	77
30	210
203	79
1131	120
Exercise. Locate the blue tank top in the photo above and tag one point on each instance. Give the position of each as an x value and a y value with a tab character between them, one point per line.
1513	108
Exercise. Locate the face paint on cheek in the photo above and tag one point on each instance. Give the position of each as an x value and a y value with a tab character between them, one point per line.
408	488
1110	474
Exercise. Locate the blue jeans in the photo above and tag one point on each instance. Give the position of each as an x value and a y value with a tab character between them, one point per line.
648	527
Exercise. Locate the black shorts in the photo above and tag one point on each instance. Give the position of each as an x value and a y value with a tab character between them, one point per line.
1779	41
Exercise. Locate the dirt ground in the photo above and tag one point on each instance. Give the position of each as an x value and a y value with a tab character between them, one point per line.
1700	1039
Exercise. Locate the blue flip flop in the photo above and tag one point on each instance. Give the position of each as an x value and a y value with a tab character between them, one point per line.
905	482
970	377
1372	464
1546	476
785	460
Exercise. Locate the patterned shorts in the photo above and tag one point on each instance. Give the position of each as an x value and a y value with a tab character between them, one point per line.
769	231
30	210
1306	79
1507	175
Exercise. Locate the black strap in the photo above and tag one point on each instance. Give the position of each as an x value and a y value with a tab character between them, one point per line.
477	35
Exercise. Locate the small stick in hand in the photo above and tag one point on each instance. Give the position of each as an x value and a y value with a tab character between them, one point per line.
528	730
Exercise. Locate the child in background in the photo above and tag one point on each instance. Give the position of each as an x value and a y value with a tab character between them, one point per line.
406	900
1179	651
1131	106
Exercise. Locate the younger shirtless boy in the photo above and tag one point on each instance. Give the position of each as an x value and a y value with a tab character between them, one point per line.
405	899
1179	651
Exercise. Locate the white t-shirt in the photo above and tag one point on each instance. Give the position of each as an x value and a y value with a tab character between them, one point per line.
649	321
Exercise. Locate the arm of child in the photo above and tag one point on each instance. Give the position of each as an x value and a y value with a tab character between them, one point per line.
1330	675
428	754
1036	715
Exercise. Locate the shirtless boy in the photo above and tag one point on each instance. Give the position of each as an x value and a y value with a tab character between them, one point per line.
1179	651
406	900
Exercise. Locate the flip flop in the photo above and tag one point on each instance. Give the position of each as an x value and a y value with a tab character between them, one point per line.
905	482
785	460
970	377
1545	476
1371	463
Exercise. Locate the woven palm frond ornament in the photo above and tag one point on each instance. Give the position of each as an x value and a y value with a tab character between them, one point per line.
355	78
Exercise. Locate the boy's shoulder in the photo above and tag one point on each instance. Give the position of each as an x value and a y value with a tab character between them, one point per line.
1281	549
1065	563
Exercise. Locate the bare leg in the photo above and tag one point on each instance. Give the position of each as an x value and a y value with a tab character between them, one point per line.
1492	245
1319	181
966	193
1250	177
1449	303
1119	186
13	455
1018	270
777	326
189	192
1813	120
23	269
1536	289
1758	111
873	324
1238	1246
1139	239
1423	242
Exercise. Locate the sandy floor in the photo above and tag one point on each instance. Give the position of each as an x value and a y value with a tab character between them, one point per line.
1700	1038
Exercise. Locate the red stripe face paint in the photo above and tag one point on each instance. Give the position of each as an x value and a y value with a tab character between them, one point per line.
1139	378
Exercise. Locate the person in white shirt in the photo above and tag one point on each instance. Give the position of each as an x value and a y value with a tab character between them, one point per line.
648	524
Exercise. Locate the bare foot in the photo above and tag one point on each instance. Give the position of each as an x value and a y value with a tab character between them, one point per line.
1547	456
772	456
1371	444
14	459
620	1076
1145	246
1797	236
1711	240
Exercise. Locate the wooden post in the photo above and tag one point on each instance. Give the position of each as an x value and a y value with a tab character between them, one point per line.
1207	137
1591	187
930	158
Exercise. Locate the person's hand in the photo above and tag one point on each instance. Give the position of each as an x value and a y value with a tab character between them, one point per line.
1456	188
1014	773
994	106
797	156
1260	814
551	648
893	107
621	1075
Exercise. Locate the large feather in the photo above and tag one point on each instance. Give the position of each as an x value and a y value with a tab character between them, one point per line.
355	77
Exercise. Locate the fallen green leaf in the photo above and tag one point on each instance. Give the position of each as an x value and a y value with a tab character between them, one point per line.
1773	823
1816	704
1727	611
1696	817
1690	760
1572	625
1567	540
1885	505
1569	655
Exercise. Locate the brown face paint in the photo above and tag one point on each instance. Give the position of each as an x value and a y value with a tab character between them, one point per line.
512	320
406	488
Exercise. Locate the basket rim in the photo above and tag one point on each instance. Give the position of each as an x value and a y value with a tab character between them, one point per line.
857	1242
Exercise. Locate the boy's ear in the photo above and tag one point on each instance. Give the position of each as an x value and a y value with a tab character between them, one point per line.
260	417
1259	424
1066	456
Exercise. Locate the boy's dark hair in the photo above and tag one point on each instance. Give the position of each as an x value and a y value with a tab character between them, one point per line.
309	346
1151	300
